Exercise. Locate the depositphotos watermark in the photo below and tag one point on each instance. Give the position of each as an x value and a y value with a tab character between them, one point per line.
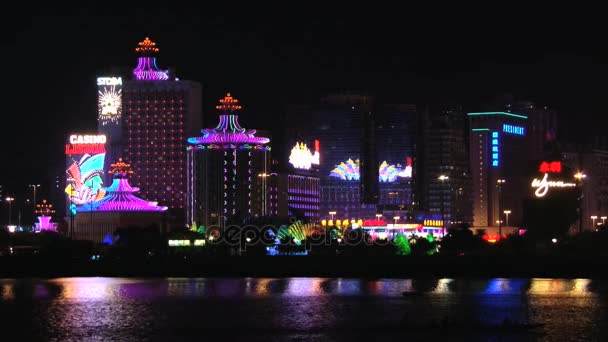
268	236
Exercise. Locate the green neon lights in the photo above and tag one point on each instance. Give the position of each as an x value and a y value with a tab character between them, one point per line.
498	113
480	130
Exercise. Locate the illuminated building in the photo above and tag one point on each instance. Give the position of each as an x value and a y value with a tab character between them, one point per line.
159	113
294	189
349	185
119	208
443	151
224	165
396	127
592	163
498	151
551	209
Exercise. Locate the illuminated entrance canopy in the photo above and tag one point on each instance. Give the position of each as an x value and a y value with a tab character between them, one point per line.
542	186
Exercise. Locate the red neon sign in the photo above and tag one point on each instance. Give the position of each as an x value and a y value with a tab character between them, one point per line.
84	149
317	146
550	167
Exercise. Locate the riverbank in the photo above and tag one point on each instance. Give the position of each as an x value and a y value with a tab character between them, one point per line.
311	266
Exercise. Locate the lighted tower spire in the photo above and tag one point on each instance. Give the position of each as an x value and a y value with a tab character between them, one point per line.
146	69
228	130
44	209
120	169
228	104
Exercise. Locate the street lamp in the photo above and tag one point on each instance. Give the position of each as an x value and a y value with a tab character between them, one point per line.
396	218
378	216
332	213
34	186
499	184
593	218
604	219
10	208
580	176
507	212
442	178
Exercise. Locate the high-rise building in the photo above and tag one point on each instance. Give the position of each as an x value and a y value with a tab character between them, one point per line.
224	165
159	113
498	160
295	187
395	134
337	122
364	153
445	180
593	177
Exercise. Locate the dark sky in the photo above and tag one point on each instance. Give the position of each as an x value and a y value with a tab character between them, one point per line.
268	57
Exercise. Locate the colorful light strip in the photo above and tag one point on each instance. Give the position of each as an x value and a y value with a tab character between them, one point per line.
495	148
147	70
498	113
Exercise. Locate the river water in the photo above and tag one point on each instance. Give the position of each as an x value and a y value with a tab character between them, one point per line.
300	309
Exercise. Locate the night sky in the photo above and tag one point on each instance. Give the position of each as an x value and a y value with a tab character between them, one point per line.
295	53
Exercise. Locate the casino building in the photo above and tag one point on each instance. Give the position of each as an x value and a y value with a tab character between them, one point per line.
159	113
224	166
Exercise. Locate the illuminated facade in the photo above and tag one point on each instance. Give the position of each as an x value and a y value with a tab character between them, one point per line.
387	144
85	156
109	117
159	113
295	190
119	197
119	208
497	154
227	171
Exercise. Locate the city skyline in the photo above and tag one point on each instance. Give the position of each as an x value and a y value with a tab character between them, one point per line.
291	59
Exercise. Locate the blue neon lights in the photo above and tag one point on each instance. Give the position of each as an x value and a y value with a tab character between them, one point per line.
518	130
495	148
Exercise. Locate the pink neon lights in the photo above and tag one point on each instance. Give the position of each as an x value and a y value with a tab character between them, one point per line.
119	197
147	70
228	131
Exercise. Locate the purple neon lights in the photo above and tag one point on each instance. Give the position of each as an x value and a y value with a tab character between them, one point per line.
119	197
228	131
147	70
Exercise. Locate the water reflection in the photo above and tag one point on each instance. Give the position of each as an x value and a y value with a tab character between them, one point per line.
128	308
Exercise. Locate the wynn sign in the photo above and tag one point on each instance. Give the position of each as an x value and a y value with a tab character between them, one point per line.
542	185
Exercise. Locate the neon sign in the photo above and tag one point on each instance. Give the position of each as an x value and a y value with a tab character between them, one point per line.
84	149
542	186
109	99
109	81
553	167
387	173
511	129
87	139
302	158
495	147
